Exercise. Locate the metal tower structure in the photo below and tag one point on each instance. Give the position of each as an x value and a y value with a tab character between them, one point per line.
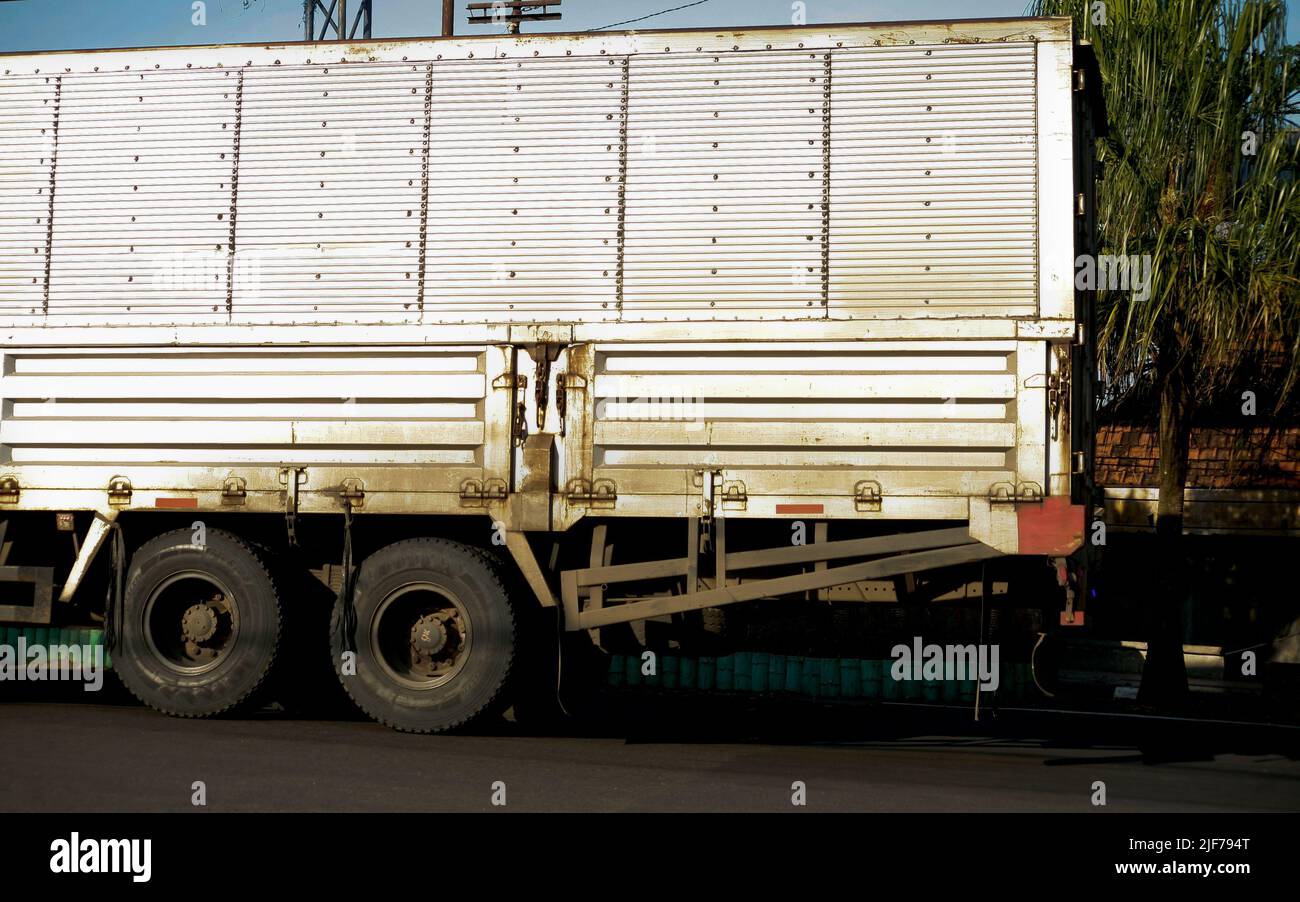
336	23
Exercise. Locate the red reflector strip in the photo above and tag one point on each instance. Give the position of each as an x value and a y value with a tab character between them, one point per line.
800	508
174	503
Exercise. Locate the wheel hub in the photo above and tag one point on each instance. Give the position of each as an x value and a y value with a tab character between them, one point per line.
428	636
199	623
421	635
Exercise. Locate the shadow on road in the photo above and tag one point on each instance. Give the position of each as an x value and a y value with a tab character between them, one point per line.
717	719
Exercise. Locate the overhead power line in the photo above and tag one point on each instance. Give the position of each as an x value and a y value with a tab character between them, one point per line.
651	16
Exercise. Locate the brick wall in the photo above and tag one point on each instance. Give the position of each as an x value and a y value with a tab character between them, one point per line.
1220	458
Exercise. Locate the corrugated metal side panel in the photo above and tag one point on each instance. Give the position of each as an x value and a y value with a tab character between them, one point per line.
524	190
522	197
933	201
330	187
28	107
725	186
848	183
211	407
931	415
142	197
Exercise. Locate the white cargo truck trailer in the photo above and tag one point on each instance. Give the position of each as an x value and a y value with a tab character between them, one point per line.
591	325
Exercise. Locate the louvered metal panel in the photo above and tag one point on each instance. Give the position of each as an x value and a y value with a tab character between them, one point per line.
522	193
330	184
609	180
917	413
524	200
933	202
420	407
143	197
28	111
725	185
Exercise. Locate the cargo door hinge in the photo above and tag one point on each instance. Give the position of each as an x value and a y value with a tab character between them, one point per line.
592	493
734	495
1015	493
119	491
866	495
234	490
479	493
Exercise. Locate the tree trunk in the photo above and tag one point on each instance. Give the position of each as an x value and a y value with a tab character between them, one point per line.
1164	677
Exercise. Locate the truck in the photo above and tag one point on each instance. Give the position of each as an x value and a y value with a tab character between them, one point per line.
434	355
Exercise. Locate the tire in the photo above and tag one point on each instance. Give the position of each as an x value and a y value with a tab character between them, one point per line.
201	624
435	636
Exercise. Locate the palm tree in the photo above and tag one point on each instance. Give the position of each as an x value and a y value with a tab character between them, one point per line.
1199	176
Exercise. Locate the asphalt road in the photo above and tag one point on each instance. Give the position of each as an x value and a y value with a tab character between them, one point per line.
114	756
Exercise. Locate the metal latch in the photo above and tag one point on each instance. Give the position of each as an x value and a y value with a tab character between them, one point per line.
1054	404
516	384
710	483
542	385
1015	493
292	477
520	427
562	399
565	383
474	493
9	490
866	495
707	480
119	490
583	491
545	354
1058	391
234	490
510	381
353	491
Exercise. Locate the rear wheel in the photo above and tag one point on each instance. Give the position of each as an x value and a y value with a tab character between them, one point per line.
434	638
200	625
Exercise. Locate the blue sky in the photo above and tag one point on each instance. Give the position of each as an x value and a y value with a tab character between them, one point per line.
79	24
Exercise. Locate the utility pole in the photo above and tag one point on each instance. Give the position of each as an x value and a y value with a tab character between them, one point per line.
448	18
512	12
